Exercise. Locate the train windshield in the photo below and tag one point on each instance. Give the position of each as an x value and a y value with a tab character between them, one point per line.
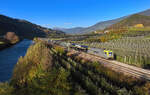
110	53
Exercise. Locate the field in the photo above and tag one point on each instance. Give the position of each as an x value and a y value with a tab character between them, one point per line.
124	32
49	70
130	50
131	46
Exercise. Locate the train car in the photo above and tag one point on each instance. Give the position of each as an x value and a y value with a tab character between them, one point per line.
73	45
85	48
65	44
107	54
79	47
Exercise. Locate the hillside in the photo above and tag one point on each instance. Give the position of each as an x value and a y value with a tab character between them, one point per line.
132	21
98	26
101	25
146	12
23	28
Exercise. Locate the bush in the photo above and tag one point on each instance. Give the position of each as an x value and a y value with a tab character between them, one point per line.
5	89
37	60
59	50
12	37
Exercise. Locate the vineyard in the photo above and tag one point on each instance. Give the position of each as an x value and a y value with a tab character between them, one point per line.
50	70
124	32
130	50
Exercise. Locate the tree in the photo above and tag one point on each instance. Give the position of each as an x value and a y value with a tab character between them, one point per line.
12	37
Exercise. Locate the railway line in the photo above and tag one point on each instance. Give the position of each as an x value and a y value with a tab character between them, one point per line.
117	66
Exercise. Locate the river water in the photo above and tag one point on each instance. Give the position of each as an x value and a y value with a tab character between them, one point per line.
9	57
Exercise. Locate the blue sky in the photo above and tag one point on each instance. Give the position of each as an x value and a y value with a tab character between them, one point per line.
70	13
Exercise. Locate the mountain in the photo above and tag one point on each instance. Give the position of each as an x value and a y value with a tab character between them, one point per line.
98	26
72	30
101	25
23	28
132	21
146	13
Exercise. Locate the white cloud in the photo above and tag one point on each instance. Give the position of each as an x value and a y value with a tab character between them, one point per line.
46	25
67	23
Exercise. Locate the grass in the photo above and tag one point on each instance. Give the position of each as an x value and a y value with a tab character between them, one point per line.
5	89
139	29
125	32
1	43
147	37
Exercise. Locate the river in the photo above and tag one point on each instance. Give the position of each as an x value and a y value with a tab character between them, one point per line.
9	57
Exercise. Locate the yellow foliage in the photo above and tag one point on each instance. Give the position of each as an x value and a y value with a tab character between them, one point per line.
36	60
1	42
139	25
5	89
103	39
59	49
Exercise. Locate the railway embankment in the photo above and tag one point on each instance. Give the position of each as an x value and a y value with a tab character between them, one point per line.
119	67
114	65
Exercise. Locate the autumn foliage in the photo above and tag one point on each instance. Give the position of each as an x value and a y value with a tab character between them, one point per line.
12	37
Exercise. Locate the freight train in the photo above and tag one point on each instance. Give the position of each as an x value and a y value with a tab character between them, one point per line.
107	54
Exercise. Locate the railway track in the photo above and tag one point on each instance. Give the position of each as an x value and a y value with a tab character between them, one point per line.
118	66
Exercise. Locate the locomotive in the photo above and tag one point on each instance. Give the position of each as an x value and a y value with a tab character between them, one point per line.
107	54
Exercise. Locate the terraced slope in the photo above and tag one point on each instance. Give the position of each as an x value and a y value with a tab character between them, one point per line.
132	21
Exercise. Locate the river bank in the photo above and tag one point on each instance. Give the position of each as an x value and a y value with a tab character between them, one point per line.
9	57
5	44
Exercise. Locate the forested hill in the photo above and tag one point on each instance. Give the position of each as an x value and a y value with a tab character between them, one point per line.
23	28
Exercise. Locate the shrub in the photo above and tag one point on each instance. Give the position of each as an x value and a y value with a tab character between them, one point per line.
36	60
5	89
59	50
12	37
